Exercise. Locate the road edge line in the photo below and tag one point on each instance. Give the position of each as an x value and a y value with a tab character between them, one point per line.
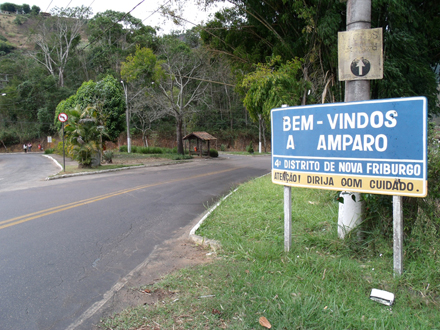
56	162
109	294
205	241
121	283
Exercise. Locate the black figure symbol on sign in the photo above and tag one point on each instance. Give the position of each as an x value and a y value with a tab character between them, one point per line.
360	67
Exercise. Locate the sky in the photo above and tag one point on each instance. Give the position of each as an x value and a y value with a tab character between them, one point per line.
146	10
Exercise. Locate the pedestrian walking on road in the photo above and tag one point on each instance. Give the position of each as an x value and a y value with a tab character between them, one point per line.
25	148
29	147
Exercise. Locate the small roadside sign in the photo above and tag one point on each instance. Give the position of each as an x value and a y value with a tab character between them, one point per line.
49	139
360	54
62	117
377	146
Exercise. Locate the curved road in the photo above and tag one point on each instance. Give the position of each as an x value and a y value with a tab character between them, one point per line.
65	243
24	170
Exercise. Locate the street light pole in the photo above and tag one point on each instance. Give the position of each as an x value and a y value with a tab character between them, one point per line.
127	115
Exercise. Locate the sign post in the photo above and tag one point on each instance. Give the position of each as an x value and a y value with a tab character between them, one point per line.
397	235
360	59
287	213
376	146
62	117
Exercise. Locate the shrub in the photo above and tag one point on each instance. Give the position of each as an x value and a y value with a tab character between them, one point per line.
123	149
135	149
250	148
59	148
6	47
222	147
151	150
49	151
108	156
213	153
19	20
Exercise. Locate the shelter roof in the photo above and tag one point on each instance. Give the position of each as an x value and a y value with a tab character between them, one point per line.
200	135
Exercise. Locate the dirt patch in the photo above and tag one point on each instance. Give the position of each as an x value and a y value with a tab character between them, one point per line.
170	256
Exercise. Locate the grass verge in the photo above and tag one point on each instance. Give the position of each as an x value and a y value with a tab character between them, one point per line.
322	283
244	153
72	169
121	156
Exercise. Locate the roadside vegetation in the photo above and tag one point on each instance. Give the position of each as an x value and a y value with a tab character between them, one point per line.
120	159
322	283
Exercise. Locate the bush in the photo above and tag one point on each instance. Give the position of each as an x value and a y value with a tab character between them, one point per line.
108	156
135	149
250	148
151	150
6	47
213	153
223	147
49	151
123	149
19	20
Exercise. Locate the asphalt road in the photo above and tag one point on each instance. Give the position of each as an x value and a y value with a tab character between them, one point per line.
65	243
22	171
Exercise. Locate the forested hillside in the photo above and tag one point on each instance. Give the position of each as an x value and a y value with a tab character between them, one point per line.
223	77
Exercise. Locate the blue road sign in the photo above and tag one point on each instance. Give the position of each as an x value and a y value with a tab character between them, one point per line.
377	146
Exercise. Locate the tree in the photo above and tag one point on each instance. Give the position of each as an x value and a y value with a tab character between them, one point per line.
182	87
35	10
113	36
272	85
106	97
7	6
83	134
143	112
26	8
57	37
253	30
178	79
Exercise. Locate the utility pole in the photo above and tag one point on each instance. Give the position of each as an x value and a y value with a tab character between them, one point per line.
127	115
358	17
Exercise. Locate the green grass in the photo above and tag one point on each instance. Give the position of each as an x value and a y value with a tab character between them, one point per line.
132	155
245	153
322	283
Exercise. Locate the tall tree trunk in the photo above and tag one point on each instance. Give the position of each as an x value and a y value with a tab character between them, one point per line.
179	136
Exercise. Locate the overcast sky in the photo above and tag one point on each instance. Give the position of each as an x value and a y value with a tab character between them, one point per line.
146	10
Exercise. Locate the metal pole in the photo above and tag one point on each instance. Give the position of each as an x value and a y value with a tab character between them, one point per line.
358	17
287	218
127	116
287	213
64	154
398	235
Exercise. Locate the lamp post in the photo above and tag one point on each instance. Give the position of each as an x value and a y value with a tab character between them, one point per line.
127	115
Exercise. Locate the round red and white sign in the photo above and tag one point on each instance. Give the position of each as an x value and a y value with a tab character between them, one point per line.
62	117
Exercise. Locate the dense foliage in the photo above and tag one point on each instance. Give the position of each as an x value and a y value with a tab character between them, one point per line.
253	31
107	99
84	134
262	53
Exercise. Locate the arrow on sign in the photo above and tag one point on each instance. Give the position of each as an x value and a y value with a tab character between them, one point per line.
360	65
62	117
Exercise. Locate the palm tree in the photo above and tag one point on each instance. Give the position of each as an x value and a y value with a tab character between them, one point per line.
84	135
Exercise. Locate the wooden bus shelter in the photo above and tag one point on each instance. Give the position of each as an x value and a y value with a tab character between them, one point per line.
200	137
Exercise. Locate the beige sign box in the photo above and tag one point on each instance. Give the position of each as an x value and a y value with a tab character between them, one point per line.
360	54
